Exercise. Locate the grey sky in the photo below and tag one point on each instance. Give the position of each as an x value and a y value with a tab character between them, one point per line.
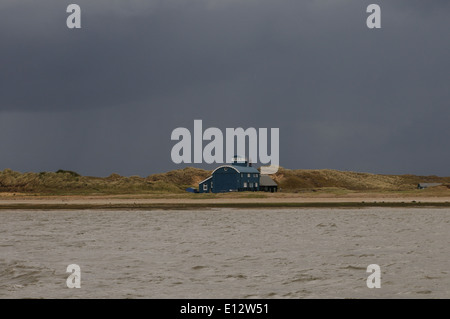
106	98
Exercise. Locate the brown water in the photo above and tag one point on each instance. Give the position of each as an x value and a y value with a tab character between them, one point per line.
299	253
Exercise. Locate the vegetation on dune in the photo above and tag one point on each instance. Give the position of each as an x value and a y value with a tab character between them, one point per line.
69	182
297	180
188	176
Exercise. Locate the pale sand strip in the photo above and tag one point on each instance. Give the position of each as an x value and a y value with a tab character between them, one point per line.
115	200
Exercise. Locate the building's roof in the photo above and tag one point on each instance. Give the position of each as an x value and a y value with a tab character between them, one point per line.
205	180
246	169
265	180
239	169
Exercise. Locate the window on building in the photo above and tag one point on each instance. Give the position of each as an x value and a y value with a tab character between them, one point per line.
245	184
256	184
211	184
251	185
248	175
242	175
205	187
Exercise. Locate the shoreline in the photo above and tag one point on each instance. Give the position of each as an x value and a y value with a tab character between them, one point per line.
177	202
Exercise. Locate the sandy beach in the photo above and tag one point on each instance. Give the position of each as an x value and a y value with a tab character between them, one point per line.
256	200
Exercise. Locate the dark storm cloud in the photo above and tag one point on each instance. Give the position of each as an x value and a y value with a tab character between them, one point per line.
106	98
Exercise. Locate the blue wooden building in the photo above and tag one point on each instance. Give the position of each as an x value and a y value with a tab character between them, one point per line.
237	177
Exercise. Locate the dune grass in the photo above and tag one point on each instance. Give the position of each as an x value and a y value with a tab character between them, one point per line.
175	182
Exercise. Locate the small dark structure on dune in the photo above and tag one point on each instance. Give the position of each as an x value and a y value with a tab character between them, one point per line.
426	185
267	184
191	190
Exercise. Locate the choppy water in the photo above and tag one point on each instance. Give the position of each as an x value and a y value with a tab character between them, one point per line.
304	253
